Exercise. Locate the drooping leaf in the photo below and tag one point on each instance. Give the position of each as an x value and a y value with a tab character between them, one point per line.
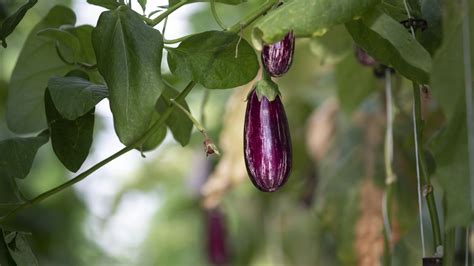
129	58
19	248
10	23
68	44
37	62
71	139
179	124
109	4
386	40
156	138
142	4
354	83
17	155
308	18
450	148
210	58
75	96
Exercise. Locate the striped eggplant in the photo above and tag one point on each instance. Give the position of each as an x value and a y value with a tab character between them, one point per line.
217	252
277	57
363	57
267	142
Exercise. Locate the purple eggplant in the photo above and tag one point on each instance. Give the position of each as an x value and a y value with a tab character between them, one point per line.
277	57
217	252
363	57
267	143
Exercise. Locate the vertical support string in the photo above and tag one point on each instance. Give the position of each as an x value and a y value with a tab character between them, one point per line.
417	159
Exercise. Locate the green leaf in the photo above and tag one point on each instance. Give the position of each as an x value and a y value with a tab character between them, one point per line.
450	146
19	249
308	18
109	4
84	34
334	45
386	40
71	139
5	257
156	138
10	23
142	4
209	58
129	58
75	96
432	37
229	2
396	9
37	62
178	122
68	44
17	155
354	83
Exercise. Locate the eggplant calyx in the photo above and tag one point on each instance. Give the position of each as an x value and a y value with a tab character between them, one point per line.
267	88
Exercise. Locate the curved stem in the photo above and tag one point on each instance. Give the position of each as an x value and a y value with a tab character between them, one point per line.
166	13
140	141
190	116
216	16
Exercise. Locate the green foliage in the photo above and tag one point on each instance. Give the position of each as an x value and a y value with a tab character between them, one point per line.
354	83
71	139
64	39
179	124
19	248
75	96
214	59
25	112
389	43
10	23
450	146
109	4
305	18
333	46
129	58
17	155
229	2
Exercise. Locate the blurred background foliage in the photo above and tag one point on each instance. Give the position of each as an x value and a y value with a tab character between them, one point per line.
329	213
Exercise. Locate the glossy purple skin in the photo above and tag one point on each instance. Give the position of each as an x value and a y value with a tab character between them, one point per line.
278	57
363	57
267	143
217	252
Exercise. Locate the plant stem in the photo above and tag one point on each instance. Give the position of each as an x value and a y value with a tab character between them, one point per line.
190	116
216	16
166	13
140	141
252	17
427	187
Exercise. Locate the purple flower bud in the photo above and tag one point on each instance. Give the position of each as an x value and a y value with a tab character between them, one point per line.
363	57
267	143
216	238
277	57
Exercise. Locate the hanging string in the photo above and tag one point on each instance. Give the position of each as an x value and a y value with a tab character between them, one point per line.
469	106
417	159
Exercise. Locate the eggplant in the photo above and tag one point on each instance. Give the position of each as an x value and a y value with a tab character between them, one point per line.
278	57
363	57
217	252
267	142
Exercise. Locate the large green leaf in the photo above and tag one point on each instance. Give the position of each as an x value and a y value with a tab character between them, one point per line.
129	58
215	59
71	139
75	96
37	62
178	122
386	40
109	4
308	18
450	146
354	83
10	23
17	155
67	43
19	248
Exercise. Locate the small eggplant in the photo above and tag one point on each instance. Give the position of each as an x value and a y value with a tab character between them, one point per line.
217	252
267	142
278	57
